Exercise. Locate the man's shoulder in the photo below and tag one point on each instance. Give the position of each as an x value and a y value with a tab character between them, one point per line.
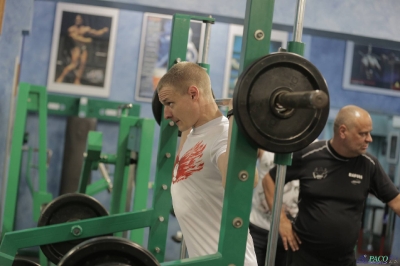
369	158
219	125
73	28
314	147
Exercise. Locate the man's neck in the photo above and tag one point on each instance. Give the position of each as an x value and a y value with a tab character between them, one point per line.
209	111
338	148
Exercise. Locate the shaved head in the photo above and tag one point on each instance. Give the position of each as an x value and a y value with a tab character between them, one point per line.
352	131
185	74
348	116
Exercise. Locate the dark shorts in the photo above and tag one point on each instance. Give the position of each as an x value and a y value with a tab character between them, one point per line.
260	239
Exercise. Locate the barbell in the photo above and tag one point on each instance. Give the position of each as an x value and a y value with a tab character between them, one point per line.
280	102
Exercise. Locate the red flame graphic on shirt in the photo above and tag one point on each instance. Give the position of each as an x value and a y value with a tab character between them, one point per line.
190	162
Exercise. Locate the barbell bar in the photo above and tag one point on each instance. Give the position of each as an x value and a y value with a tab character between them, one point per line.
308	99
280	102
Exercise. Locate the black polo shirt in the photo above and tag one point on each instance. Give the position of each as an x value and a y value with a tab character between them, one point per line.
333	190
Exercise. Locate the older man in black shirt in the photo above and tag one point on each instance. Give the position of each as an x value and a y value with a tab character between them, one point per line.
336	177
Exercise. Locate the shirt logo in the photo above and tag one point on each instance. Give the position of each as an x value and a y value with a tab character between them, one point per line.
190	162
357	178
320	173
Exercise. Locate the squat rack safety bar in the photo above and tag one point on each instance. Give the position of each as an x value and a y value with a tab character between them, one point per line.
103	110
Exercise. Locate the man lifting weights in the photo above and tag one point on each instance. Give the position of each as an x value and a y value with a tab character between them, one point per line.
201	163
336	177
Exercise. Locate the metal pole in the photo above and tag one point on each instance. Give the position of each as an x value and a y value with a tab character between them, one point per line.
206	44
276	211
298	23
183	249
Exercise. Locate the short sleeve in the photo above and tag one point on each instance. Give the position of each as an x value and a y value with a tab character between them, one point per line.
381	185
265	163
291	170
219	147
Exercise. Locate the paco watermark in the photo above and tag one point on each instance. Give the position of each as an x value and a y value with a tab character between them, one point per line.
371	259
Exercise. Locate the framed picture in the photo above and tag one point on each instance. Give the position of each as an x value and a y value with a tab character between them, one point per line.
82	52
372	69
154	51
278	39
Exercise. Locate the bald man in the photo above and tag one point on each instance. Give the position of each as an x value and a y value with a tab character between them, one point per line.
336	177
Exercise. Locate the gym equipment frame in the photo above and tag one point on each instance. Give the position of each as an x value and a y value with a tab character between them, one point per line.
240	176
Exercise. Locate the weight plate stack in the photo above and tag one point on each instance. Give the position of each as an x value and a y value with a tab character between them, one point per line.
68	208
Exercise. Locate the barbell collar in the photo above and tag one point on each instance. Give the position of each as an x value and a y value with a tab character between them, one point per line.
316	99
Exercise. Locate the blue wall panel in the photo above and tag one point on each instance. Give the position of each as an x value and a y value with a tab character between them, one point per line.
17	19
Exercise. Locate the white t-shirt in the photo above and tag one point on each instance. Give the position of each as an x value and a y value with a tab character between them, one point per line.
197	191
260	214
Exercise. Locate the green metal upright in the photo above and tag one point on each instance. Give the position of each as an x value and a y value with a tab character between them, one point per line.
162	202
243	153
92	156
121	166
30	98
142	143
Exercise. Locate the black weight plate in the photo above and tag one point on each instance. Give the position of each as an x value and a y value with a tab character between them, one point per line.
108	250
68	208
24	262
157	107
255	116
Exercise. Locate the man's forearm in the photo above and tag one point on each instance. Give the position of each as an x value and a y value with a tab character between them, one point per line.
394	204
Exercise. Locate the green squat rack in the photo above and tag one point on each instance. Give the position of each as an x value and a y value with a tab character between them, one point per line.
277	103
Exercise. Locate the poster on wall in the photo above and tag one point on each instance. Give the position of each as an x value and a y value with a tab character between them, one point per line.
278	39
82	52
372	69
154	50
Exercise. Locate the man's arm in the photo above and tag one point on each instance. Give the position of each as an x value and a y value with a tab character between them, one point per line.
98	32
289	236
223	158
394	204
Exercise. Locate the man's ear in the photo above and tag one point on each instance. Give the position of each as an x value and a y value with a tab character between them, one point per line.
342	131
193	92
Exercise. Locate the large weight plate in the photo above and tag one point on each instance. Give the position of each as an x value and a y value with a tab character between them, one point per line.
24	262
157	107
255	115
108	251
68	208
